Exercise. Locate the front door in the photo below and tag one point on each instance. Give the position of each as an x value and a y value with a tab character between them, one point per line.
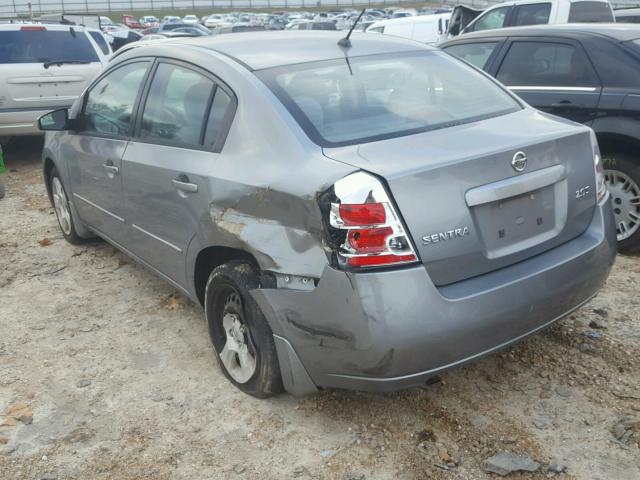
167	165
94	153
553	76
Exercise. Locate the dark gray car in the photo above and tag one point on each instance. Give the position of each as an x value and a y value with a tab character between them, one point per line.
356	217
586	73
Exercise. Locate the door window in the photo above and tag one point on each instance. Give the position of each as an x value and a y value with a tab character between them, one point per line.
533	14
581	12
176	106
109	104
546	64
475	53
490	20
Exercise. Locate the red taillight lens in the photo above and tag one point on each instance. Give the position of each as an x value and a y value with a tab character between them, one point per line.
32	29
362	214
380	260
369	240
364	227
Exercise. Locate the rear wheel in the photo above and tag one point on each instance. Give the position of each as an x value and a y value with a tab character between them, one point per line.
62	209
241	336
622	175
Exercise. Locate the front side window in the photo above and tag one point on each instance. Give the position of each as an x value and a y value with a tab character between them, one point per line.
374	97
546	64
41	45
581	12
533	14
109	104
176	106
490	20
476	54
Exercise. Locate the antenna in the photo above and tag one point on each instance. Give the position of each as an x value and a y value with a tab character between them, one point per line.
345	42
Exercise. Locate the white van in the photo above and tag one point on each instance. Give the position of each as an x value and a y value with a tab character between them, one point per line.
423	28
43	67
529	12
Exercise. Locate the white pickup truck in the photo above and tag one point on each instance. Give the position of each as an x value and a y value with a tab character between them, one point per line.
529	12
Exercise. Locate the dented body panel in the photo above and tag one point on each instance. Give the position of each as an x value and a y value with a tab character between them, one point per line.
390	330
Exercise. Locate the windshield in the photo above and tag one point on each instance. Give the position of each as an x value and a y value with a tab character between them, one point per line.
383	96
36	46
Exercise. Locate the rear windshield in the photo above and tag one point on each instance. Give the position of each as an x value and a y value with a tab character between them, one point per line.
581	12
368	98
35	46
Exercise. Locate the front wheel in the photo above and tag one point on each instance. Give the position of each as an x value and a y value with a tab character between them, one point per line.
622	175
241	337
62	209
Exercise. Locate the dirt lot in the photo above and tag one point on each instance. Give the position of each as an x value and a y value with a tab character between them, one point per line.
107	373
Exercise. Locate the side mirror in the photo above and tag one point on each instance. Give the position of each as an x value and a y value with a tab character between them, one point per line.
57	120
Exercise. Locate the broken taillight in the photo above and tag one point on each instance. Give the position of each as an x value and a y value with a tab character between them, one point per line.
365	229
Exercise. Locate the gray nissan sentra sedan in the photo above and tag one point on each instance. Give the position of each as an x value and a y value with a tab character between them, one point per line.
357	217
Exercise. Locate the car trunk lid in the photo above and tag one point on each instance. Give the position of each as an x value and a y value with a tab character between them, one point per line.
468	210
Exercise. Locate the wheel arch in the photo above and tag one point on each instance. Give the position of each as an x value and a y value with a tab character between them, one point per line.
610	142
211	257
47	168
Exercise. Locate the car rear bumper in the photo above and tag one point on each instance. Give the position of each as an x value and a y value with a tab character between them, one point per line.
22	121
391	330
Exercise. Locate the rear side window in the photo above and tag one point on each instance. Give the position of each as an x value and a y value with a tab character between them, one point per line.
546	64
476	54
534	14
101	42
109	104
39	46
176	106
590	12
490	20
628	19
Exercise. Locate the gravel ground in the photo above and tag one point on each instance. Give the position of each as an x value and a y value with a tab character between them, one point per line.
106	372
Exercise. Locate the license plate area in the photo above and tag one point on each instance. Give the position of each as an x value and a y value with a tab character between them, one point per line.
513	224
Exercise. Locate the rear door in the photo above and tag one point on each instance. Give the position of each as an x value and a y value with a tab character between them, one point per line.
94	152
552	74
181	130
32	84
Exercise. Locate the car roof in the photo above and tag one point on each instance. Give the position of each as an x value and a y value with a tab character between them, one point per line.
260	50
621	32
48	26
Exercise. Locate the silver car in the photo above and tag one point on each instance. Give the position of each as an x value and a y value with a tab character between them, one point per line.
360	215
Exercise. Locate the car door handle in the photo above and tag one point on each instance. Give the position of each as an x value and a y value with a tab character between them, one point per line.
563	103
111	169
184	186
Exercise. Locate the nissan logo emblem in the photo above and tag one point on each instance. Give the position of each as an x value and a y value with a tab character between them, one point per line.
519	161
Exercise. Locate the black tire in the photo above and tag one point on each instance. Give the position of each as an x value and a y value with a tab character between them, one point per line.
230	281
70	235
629	166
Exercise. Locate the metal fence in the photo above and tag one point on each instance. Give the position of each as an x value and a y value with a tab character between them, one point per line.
13	8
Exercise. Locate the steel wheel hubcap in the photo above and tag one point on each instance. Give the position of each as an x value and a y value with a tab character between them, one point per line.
625	195
237	355
61	206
